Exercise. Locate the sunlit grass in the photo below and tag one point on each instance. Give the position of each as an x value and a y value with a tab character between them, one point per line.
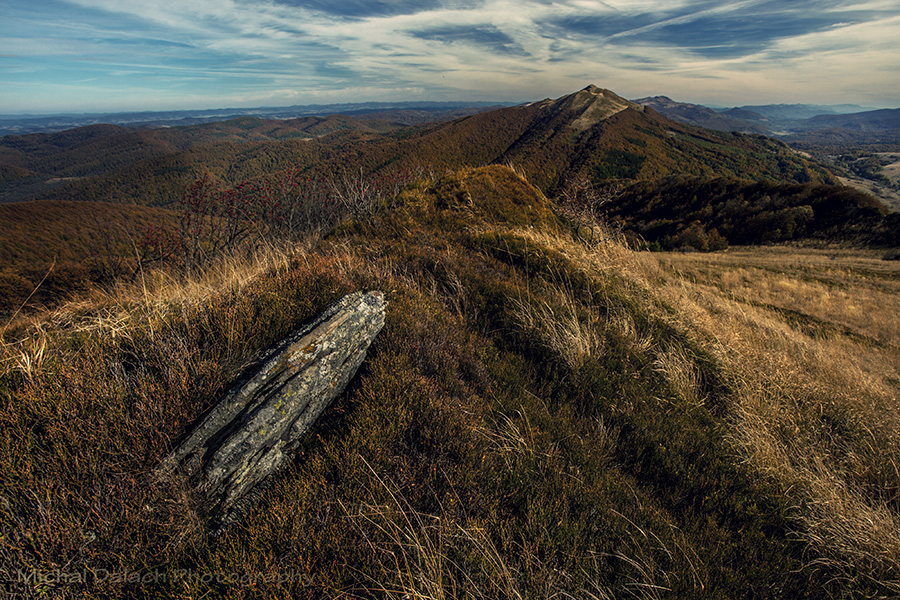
540	417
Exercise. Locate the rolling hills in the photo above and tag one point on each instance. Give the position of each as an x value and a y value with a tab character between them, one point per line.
548	412
38	163
825	129
592	133
670	176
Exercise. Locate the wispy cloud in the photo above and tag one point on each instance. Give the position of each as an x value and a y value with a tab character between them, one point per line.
699	50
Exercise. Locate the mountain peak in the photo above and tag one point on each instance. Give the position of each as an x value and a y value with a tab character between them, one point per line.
593	104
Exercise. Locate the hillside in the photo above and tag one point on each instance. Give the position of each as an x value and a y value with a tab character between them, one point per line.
539	417
680	185
592	134
53	250
44	161
548	412
708	214
822	129
701	116
417	111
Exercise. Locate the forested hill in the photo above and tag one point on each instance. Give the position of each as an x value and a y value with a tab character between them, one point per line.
591	134
33	165
710	213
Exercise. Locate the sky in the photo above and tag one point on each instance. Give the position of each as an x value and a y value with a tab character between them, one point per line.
126	55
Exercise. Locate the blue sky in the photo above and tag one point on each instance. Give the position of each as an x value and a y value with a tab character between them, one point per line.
118	55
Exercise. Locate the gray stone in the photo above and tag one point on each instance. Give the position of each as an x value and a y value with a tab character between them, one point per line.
255	429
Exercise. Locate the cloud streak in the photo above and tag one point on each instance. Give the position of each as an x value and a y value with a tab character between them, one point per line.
200	53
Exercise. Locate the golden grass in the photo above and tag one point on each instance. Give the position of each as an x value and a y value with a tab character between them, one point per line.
851	289
810	343
416	550
815	401
480	467
113	311
562	329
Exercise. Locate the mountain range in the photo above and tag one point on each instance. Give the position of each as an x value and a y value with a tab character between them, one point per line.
408	113
802	125
669	184
550	411
592	133
781	120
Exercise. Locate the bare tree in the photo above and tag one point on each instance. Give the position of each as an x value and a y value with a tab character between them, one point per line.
583	200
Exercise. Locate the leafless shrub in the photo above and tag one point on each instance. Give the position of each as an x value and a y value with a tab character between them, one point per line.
583	201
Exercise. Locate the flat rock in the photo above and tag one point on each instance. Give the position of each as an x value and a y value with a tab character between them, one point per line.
254	431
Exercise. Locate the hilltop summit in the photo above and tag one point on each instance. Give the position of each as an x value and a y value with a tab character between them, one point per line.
593	105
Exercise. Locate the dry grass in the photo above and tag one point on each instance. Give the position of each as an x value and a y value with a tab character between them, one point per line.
852	289
92	394
810	343
540	417
114	311
417	550
561	326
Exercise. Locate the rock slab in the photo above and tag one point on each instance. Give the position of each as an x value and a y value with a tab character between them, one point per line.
255	429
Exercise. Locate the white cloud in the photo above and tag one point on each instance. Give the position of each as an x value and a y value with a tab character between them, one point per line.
260	47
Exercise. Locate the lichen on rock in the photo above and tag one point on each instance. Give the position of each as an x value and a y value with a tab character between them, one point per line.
255	428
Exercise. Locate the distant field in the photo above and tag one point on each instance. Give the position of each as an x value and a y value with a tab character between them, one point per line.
892	169
891	198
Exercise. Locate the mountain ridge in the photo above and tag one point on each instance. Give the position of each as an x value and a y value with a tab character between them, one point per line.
800	124
592	133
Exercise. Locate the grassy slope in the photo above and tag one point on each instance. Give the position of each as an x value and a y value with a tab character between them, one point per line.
537	418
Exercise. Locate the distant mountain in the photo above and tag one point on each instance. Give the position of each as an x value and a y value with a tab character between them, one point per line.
873	120
875	130
742	114
816	127
411	116
592	134
426	111
792	112
701	116
636	142
35	163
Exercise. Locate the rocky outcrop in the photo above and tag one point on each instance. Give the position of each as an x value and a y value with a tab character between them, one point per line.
254	430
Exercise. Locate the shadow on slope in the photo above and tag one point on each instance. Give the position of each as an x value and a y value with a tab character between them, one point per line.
531	422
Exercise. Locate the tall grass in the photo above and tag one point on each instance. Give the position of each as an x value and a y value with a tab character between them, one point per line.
809	344
816	395
544	415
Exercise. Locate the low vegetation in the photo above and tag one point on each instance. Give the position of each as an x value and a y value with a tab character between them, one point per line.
545	414
709	214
